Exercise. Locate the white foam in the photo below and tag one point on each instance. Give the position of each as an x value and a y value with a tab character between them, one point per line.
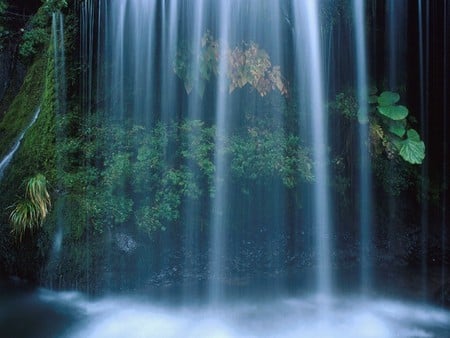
290	317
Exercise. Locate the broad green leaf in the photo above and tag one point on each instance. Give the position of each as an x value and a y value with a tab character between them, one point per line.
412	151
373	90
395	113
397	127
397	142
388	98
413	135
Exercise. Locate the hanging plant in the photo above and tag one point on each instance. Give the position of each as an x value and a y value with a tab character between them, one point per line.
247	65
396	136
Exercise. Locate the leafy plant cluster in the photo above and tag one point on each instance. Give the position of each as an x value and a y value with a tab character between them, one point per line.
38	34
246	64
134	175
390	130
195	70
30	212
395	146
265	150
52	6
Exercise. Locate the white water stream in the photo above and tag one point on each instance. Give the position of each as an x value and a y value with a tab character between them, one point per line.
7	159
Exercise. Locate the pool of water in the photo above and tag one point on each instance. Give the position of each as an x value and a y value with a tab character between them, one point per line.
44	313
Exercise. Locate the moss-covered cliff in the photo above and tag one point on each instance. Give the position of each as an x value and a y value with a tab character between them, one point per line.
36	154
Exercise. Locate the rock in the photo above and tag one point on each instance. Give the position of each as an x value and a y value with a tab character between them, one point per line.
125	243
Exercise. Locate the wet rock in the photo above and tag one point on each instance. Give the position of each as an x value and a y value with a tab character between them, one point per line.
125	243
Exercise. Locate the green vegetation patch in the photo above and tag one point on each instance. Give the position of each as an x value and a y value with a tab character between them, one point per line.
24	105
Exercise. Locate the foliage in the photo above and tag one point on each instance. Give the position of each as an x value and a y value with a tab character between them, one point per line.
246	64
390	128
346	104
145	175
412	149
24	105
36	35
265	150
36	192
37	151
394	175
187	60
394	145
251	65
51	6
30	212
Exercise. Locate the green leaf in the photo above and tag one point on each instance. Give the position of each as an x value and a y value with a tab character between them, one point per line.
395	113
397	127
413	135
388	98
412	151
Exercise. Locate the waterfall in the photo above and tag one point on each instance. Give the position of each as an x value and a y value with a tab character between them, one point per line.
423	26
365	187
237	177
61	108
220	205
60	61
307	14
179	68
396	40
191	211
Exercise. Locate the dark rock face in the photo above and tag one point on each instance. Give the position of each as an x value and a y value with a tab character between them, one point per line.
6	70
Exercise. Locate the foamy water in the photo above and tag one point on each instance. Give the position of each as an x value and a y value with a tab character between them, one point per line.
289	317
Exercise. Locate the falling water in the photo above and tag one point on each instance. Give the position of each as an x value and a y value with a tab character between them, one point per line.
218	222
307	14
115	40
168	50
423	90
60	61
191	211
87	53
138	44
396	41
61	107
445	209
364	184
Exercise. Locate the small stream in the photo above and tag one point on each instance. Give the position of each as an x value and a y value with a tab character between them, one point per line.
7	159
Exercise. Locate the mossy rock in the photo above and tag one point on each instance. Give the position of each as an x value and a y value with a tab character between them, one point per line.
23	107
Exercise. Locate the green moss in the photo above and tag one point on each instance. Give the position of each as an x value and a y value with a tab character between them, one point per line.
22	109
35	155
